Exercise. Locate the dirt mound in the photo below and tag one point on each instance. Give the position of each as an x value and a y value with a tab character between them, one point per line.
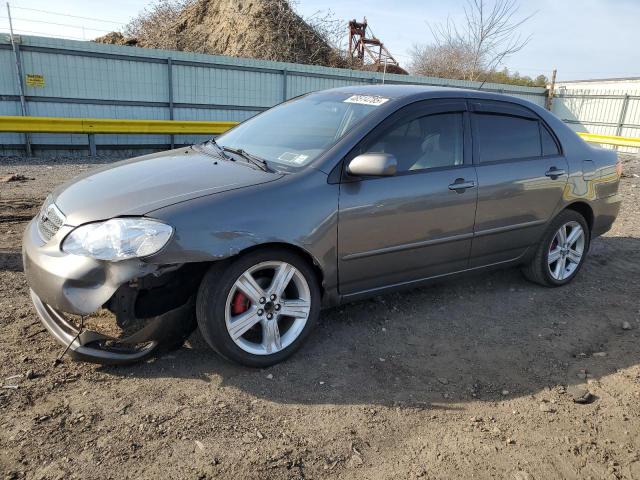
117	38
377	67
262	29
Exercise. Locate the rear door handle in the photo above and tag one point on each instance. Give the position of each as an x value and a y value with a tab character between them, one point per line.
554	172
460	185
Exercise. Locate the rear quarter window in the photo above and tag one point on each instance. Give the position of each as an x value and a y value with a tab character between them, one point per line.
506	137
549	145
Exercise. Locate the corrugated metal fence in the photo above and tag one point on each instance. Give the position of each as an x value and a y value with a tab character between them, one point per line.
66	78
604	112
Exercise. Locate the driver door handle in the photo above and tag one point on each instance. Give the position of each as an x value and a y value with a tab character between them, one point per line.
460	185
554	172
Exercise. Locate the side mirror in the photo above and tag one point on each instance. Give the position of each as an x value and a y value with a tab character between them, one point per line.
373	165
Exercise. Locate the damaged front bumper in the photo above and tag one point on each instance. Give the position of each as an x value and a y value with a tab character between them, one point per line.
64	285
96	347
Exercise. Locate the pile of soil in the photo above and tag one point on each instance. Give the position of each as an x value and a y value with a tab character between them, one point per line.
117	38
262	29
380	68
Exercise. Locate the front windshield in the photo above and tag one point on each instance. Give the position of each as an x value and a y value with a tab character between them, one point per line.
295	133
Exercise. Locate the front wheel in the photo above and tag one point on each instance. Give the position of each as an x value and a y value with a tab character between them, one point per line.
561	252
259	309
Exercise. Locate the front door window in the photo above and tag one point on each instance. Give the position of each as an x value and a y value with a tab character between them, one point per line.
432	141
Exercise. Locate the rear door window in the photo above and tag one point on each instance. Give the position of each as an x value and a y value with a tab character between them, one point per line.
506	137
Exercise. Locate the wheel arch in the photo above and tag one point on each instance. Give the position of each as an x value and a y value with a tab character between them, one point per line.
584	209
313	262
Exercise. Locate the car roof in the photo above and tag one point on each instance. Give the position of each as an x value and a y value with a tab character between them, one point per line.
413	92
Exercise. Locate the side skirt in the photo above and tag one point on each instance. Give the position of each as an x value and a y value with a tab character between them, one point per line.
430	280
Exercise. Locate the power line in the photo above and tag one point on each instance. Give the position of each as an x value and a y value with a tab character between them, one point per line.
47	34
59	24
72	16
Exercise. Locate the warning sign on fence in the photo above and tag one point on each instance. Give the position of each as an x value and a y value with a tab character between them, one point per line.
35	80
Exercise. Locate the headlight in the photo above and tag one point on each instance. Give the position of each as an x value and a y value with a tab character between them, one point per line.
118	239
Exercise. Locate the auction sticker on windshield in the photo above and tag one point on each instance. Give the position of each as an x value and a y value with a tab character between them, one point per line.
293	157
373	100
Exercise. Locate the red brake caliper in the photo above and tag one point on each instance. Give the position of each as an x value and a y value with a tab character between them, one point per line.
240	303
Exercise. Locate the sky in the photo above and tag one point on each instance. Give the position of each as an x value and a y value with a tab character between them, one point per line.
582	39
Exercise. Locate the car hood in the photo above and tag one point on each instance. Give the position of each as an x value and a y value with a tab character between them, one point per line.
140	185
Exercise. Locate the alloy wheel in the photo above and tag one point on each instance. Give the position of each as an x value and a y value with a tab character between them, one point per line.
267	307
566	250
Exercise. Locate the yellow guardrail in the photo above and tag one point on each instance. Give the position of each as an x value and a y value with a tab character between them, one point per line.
110	125
177	127
610	140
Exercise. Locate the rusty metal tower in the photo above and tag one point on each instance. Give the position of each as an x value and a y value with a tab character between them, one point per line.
370	50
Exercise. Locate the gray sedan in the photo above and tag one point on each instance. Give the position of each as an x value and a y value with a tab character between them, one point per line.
330	197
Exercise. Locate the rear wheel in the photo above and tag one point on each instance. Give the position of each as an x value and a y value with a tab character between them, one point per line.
561	252
260	308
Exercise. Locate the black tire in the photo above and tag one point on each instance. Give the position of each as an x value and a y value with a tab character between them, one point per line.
212	299
537	270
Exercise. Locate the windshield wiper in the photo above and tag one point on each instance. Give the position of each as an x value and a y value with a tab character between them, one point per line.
257	161
219	150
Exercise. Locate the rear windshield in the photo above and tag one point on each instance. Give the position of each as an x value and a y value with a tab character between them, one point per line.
298	131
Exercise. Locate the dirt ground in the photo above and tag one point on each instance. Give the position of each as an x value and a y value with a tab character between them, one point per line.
473	378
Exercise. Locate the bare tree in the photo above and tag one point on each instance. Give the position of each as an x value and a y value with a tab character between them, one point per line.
444	61
479	44
157	24
331	28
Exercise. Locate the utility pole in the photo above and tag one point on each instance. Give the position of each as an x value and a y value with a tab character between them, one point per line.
23	101
550	93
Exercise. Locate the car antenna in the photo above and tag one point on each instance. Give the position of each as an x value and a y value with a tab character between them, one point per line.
486	76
